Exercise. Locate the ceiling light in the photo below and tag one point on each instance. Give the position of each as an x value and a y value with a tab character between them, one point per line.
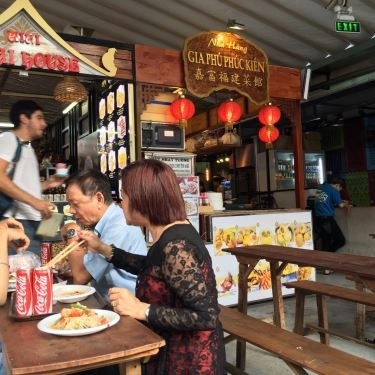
308	64
234	25
69	90
350	45
6	125
69	108
327	55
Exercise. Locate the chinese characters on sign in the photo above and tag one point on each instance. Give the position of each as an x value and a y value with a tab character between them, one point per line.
220	60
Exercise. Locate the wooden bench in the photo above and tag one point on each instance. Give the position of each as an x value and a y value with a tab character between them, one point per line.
299	353
321	290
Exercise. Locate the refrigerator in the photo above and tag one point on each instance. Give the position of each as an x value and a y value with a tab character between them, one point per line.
281	170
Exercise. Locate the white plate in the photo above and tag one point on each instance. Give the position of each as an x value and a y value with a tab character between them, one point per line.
61	293
45	324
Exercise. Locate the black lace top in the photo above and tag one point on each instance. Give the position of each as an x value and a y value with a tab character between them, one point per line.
177	279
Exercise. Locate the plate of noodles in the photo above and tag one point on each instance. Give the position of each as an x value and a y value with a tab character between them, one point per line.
78	320
72	293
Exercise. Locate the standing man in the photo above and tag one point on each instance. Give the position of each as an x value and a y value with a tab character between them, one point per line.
25	188
327	198
89	196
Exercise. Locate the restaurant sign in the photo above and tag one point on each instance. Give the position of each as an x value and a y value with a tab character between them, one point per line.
182	162
28	42
215	61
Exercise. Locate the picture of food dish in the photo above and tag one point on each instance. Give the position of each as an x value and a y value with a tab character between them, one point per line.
246	236
189	185
122	157
284	234
266	237
191	206
111	161
290	272
103	163
260	277
121	126
226	284
302	234
110	102
120	96
304	273
102	109
111	131
102	136
224	237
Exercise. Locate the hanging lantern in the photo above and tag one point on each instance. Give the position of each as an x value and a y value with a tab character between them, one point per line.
269	114
182	109
268	134
229	112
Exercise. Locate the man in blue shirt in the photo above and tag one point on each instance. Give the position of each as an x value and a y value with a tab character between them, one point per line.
326	200
89	196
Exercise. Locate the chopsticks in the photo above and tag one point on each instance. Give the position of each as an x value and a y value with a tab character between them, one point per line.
64	253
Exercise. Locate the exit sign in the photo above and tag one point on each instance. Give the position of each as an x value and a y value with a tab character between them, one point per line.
348	27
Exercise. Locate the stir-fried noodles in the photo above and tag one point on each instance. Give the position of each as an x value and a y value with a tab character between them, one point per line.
77	317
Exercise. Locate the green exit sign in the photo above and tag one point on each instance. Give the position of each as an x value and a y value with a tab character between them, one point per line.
348	27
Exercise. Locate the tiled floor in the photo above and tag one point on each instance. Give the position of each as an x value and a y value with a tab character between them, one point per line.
341	319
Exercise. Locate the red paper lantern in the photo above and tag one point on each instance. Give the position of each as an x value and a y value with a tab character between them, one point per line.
269	114
182	109
268	134
229	112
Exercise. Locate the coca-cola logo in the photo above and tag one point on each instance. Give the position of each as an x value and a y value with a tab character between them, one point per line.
42	293
23	299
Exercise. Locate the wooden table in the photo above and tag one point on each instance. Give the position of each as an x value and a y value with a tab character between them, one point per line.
26	350
360	267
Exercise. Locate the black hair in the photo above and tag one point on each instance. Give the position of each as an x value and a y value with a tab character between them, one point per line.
91	181
335	180
22	107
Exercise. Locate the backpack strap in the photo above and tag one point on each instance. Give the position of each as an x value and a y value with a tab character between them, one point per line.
16	157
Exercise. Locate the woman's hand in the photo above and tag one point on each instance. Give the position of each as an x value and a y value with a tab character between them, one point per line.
17	238
93	242
125	303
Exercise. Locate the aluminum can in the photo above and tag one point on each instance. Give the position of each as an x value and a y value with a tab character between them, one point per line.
45	252
24	292
42	291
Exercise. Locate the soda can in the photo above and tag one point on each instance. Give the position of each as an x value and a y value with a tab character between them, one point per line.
42	291
45	252
24	292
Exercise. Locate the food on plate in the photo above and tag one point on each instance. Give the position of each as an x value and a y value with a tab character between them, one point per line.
120	96
70	293
192	187
78	317
266	237
302	233
121	126
284	234
304	273
101	108
110	102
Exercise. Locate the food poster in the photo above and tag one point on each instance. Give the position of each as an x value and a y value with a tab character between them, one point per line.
284	229
113	137
190	192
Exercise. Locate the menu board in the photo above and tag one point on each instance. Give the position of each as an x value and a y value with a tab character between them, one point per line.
113	135
190	192
284	229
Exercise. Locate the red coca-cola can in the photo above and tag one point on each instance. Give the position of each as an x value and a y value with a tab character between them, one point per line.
42	291
45	252
24	292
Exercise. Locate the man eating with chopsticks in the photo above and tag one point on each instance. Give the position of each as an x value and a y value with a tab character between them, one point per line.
89	195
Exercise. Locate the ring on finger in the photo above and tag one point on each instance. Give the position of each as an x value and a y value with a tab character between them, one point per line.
114	304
